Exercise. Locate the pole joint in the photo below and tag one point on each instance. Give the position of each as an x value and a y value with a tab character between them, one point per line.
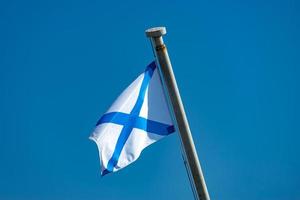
160	47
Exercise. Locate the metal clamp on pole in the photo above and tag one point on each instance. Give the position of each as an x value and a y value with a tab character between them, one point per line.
182	124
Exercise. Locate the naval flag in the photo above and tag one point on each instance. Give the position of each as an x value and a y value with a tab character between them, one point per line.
139	117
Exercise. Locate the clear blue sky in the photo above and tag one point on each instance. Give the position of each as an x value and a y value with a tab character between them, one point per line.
62	63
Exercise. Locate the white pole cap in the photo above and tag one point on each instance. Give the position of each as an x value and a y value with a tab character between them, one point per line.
156	31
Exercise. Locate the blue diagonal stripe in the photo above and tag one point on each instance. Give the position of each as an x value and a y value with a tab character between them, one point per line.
114	117
140	123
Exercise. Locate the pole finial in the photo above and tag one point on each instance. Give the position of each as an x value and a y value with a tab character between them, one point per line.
156	31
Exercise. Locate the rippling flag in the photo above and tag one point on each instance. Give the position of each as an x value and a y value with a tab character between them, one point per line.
138	118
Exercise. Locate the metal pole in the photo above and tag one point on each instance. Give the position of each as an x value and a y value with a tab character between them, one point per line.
183	126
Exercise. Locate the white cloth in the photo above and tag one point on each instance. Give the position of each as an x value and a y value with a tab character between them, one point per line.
138	118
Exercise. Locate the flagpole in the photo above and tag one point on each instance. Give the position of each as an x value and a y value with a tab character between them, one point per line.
155	34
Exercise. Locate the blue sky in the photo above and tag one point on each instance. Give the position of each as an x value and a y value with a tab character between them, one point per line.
62	63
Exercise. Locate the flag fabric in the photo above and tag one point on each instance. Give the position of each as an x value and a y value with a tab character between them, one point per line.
139	117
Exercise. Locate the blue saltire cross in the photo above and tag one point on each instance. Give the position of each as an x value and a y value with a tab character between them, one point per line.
133	120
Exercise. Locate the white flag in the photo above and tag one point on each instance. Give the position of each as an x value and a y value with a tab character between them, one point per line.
138	118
